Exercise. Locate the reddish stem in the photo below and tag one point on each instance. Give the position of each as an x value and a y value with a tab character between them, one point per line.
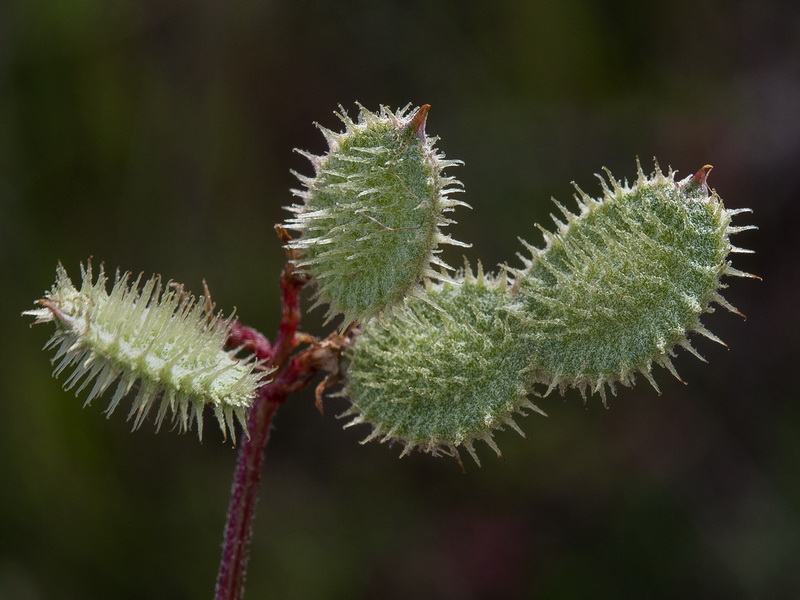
244	491
249	340
244	497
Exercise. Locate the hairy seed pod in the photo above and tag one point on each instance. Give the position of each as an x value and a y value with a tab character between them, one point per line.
372	214
443	371
624	281
160	342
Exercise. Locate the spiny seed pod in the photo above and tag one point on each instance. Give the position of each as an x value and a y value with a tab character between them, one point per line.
443	371
624	281
162	342
372	212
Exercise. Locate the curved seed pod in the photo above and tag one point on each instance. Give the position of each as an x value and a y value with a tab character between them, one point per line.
443	371
371	214
161	342
625	280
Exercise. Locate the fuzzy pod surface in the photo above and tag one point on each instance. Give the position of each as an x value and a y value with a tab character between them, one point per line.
372	213
154	340
443	371
624	281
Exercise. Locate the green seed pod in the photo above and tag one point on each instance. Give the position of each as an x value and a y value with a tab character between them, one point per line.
443	371
164	343
624	281
371	214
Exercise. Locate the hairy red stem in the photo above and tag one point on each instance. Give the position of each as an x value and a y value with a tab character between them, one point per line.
244	491
249	340
244	498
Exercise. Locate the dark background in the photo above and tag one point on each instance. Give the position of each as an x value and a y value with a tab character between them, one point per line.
158	136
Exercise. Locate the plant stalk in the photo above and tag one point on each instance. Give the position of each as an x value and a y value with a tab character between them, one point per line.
244	491
244	498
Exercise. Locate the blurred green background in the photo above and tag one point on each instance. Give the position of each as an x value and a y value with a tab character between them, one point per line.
158	136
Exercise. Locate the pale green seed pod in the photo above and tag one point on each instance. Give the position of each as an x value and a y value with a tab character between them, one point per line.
162	343
624	281
372	214
443	371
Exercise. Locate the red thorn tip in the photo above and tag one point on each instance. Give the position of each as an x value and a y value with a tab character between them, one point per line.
417	123
699	178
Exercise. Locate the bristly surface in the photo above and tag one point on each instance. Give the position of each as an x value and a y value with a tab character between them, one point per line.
155	341
623	282
443	371
372	213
